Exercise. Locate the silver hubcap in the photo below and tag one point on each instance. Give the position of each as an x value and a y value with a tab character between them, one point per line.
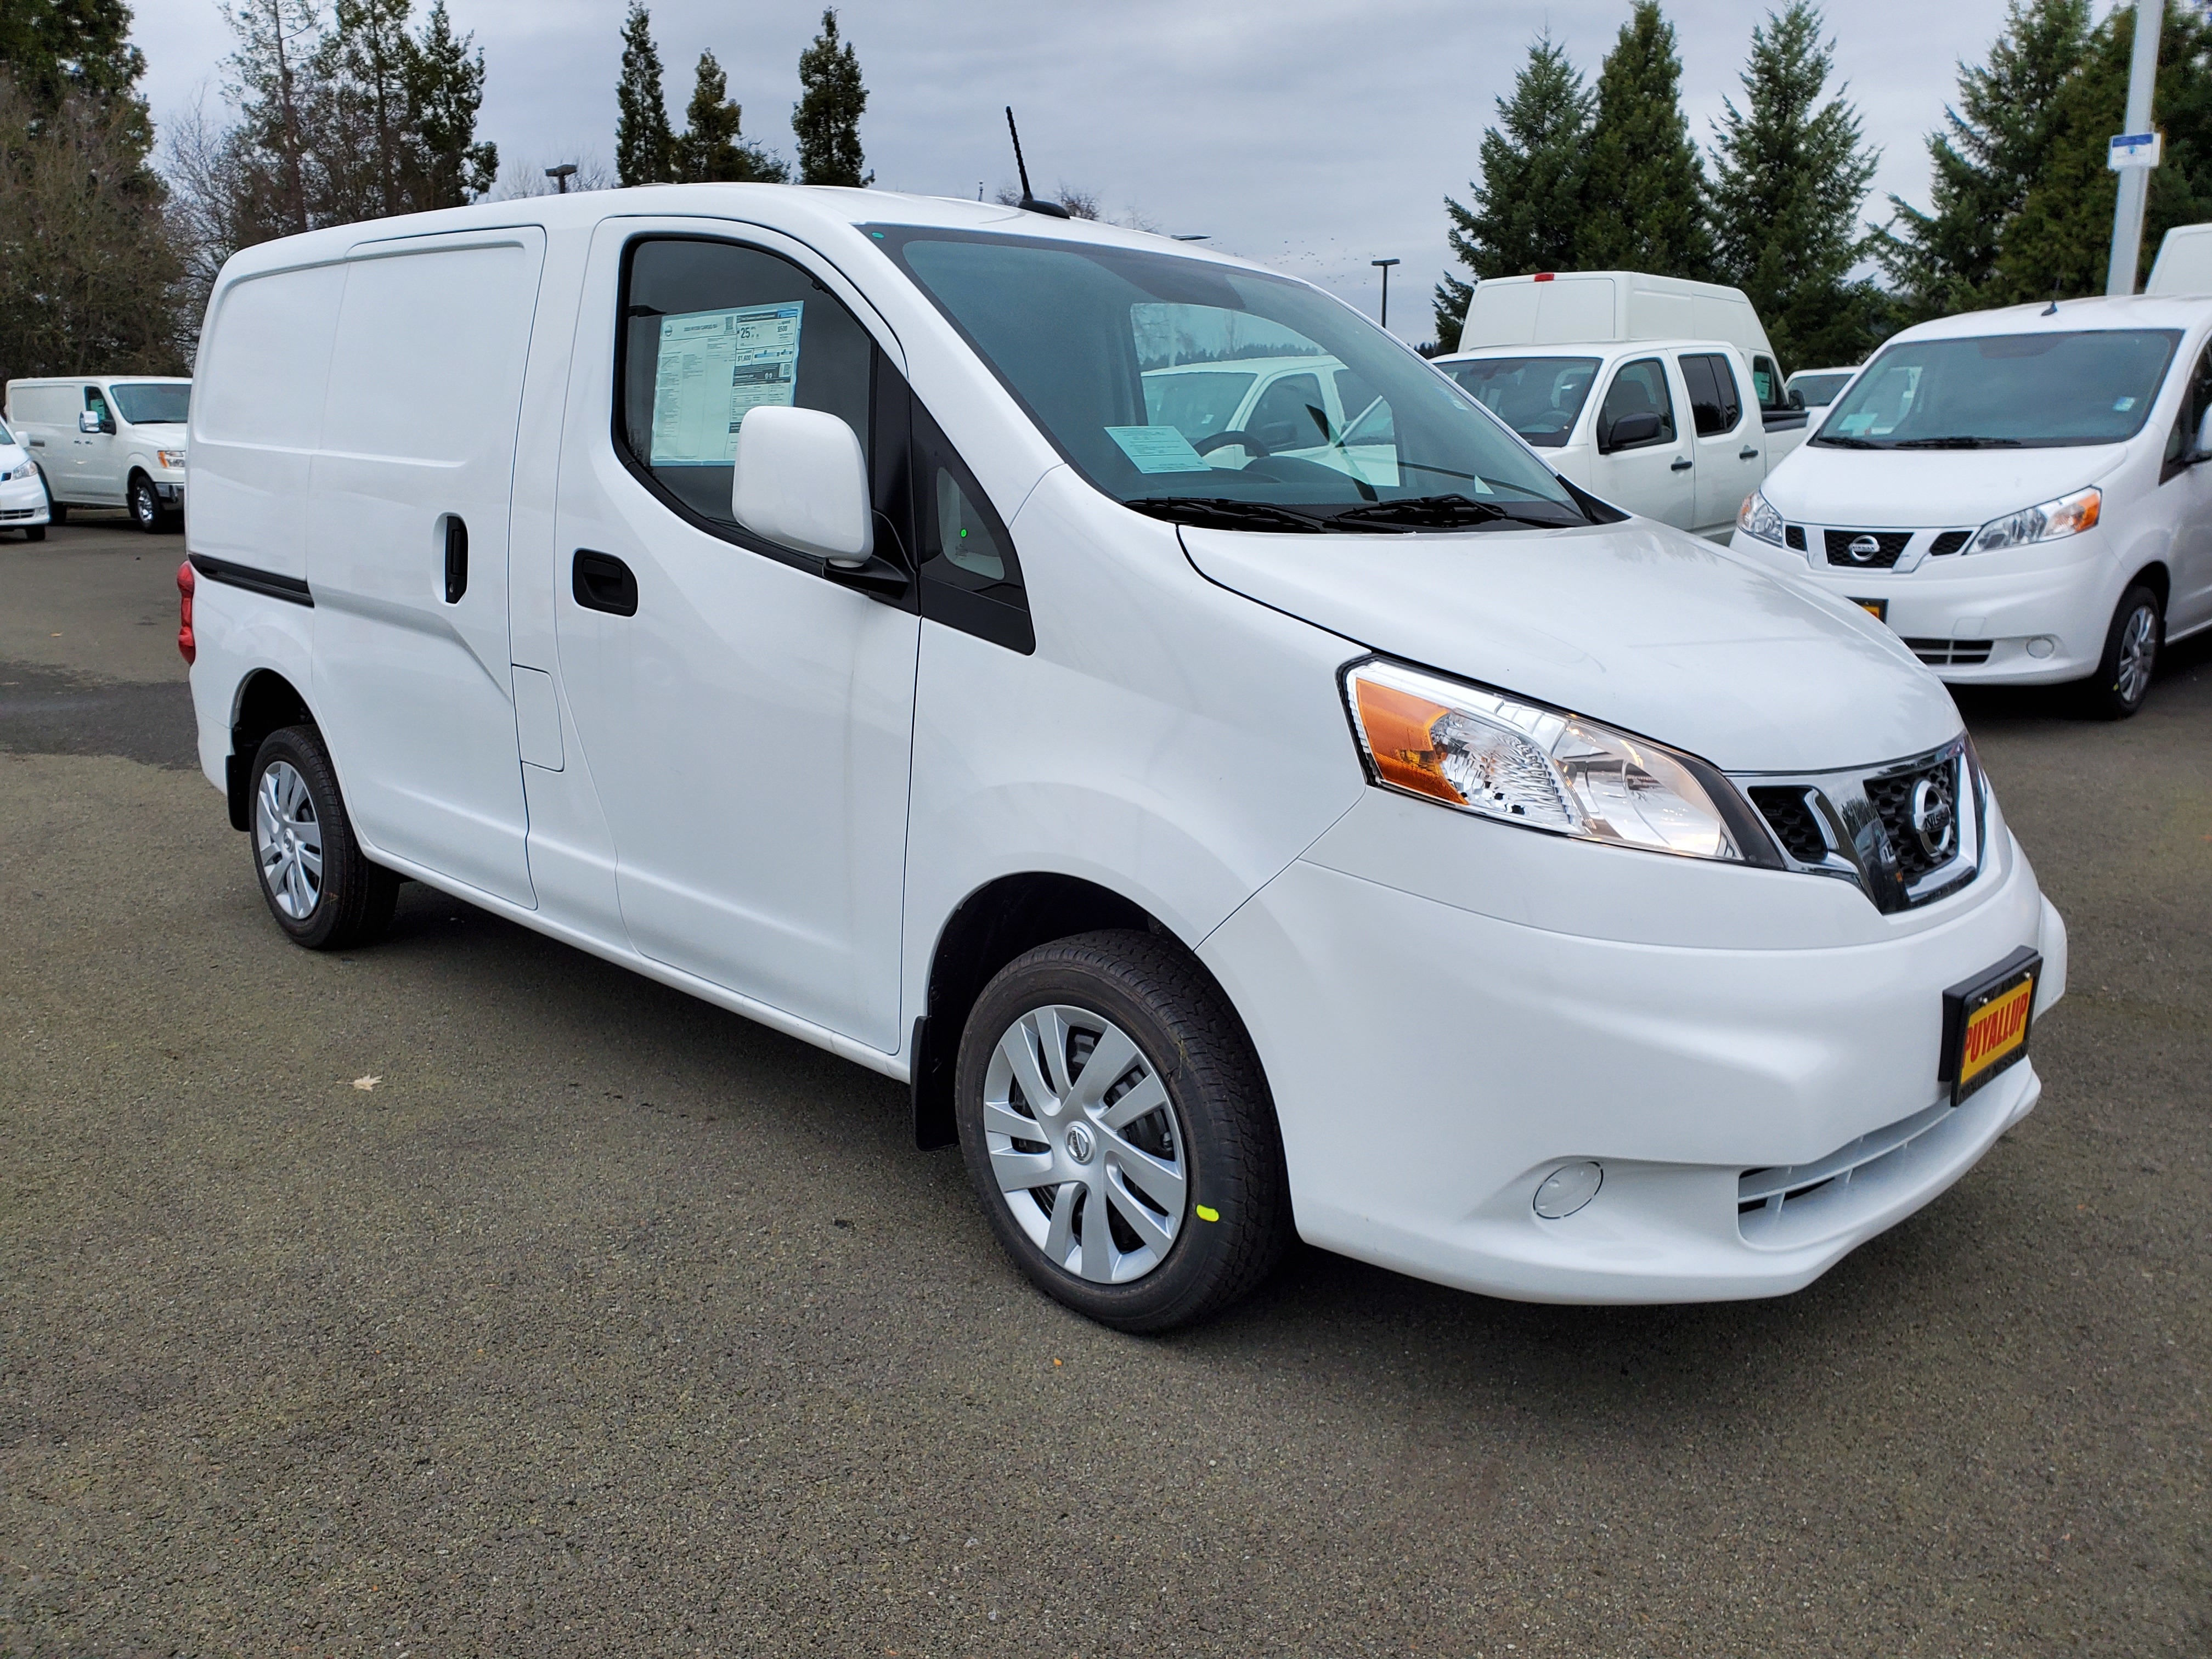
1084	1144
2138	653
288	841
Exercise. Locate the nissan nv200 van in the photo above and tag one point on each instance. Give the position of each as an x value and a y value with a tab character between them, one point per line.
2022	495
1386	844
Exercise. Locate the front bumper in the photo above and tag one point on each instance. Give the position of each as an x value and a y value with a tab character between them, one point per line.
23	503
1431	1064
1974	617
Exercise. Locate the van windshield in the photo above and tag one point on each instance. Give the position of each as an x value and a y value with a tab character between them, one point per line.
2004	392
151	405
1538	397
1206	394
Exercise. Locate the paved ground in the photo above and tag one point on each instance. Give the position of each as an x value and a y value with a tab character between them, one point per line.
606	1323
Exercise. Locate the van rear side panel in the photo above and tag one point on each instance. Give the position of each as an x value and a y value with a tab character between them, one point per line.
256	417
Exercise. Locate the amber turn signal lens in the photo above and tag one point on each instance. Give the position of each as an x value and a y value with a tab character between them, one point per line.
1397	726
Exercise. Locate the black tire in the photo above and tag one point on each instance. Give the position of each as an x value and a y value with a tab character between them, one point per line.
57	512
2132	645
353	900
1235	1211
36	532
146	511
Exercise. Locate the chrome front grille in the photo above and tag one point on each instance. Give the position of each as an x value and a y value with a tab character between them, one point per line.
1906	834
1865	550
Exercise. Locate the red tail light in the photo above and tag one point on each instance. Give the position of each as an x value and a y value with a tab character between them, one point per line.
187	647
1545	277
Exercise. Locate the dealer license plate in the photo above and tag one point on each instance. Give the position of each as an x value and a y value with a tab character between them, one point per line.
1986	1022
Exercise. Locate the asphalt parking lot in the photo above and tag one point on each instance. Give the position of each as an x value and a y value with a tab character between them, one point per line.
471	1295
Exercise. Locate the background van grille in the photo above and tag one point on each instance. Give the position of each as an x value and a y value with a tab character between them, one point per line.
1794	535
1949	542
1951	653
1838	544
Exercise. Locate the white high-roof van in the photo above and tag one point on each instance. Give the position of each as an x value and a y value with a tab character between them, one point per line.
107	441
2183	264
1361	831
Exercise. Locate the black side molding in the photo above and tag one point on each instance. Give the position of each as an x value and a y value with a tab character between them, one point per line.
290	589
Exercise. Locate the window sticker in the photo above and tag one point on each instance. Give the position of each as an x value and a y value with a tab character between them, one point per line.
1157	449
713	367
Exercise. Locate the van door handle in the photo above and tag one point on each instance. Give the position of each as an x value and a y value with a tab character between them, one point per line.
601	582
1682	465
457	558
1748	455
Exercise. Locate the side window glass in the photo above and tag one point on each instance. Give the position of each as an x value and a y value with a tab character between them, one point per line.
1705	395
1766	384
712	330
96	403
1353	393
971	577
2197	401
1637	402
1291	414
1731	400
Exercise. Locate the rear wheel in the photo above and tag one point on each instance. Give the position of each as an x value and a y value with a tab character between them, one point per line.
2132	645
1118	1130
324	893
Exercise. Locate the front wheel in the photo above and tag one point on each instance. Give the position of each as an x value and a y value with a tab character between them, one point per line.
146	509
36	532
2123	674
324	893
1118	1130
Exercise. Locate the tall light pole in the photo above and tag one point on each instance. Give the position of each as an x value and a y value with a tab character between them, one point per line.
561	175
1383	265
2135	152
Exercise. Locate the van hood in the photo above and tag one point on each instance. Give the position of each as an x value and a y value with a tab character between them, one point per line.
1928	488
1635	624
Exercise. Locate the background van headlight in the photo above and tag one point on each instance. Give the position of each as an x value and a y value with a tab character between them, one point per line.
2070	515
1521	763
1757	516
172	459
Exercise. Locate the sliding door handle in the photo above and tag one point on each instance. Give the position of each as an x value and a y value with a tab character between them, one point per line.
601	582
457	558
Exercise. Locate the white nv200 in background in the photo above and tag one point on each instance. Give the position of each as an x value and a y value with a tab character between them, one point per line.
108	440
2022	495
804	609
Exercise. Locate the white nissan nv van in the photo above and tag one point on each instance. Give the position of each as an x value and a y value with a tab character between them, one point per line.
108	440
805	608
2022	495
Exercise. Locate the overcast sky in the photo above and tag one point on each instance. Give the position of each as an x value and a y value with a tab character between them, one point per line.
1308	134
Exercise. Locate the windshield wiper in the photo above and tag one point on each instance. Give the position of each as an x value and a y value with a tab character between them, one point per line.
1226	512
1957	443
1438	513
1827	441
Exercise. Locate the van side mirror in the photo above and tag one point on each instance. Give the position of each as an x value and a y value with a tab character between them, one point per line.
1630	430
88	421
800	480
2203	451
1796	397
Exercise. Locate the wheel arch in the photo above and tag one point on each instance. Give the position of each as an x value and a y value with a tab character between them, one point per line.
987	929
2154	576
265	702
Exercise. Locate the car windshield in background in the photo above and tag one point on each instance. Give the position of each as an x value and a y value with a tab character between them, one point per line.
1538	397
151	405
1205	394
2004	392
1818	391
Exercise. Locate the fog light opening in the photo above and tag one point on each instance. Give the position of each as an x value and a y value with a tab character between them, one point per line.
2041	645
1567	1188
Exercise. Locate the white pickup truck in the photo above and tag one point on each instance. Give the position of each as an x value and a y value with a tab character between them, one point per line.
1668	430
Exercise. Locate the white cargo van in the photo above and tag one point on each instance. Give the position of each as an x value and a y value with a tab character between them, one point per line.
2024	495
2183	264
1380	839
1587	307
108	440
1662	427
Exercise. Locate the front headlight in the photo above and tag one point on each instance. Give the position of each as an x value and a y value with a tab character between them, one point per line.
174	458
1757	516
28	469
2070	515
1539	768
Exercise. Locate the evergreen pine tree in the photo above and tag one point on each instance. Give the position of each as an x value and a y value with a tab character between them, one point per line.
1527	201
1644	190
56	49
368	61
444	91
262	169
711	150
827	118
644	147
1790	177
1996	142
2062	237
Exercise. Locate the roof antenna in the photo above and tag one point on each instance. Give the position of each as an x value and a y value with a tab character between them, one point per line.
1029	203
2051	310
